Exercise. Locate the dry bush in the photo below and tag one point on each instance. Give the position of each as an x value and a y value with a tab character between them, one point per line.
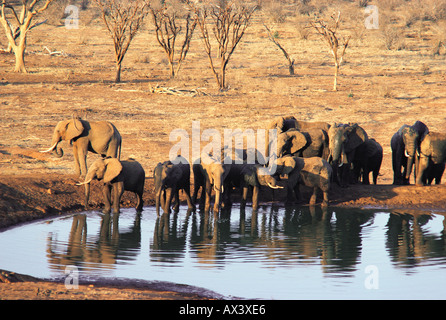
392	35
439	38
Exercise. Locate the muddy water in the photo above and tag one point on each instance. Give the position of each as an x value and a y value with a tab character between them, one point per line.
278	253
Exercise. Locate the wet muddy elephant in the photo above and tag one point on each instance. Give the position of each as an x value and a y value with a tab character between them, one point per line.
346	142
99	137
169	179
405	144
313	172
432	158
117	176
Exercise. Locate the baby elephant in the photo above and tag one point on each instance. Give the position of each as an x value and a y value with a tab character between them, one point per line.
313	172
169	179
118	176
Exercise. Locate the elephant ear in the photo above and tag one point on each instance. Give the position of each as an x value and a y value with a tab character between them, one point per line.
287	164
299	141
113	169
74	129
356	136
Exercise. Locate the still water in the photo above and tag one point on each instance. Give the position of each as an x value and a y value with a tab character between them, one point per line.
277	253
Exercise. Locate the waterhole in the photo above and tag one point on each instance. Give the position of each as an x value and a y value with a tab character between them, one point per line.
276	253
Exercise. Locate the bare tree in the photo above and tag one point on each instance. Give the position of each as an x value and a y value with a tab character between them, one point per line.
328	32
123	18
273	38
229	23
18	23
166	20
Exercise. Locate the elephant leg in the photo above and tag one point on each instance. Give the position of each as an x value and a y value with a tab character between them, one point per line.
208	190
313	196
190	204
424	163
255	198
77	168
140	202
325	201
118	190
176	207
106	191
168	194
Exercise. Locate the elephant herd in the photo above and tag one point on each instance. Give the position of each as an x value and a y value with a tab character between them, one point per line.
314	154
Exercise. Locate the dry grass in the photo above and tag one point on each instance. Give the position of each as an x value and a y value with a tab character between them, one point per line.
379	88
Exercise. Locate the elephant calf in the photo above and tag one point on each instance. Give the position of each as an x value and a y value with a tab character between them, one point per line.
169	179
313	172
117	176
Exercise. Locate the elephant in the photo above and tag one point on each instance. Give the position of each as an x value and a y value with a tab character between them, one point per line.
345	141
283	124
313	172
117	176
369	161
169	179
311	143
405	144
99	137
245	176
210	173
432	158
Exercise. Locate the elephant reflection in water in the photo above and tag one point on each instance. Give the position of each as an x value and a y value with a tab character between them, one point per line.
103	249
408	244
337	243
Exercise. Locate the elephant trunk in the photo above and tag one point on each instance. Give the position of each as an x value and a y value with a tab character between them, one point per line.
88	178
410	154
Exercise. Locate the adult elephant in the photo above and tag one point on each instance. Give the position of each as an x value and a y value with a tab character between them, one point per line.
99	137
345	141
117	176
212	173
313	172
169	179
432	158
405	144
249	176
311	143
368	161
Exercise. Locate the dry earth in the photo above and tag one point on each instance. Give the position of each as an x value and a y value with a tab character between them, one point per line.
378	88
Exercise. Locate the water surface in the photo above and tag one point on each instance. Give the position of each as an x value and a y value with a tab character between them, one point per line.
277	253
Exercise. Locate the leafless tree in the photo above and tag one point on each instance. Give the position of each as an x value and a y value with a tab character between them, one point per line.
337	43
123	18
273	38
168	27
229	23
17	24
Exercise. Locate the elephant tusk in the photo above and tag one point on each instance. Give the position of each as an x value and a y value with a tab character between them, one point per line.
274	187
50	148
406	154
340	164
85	182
